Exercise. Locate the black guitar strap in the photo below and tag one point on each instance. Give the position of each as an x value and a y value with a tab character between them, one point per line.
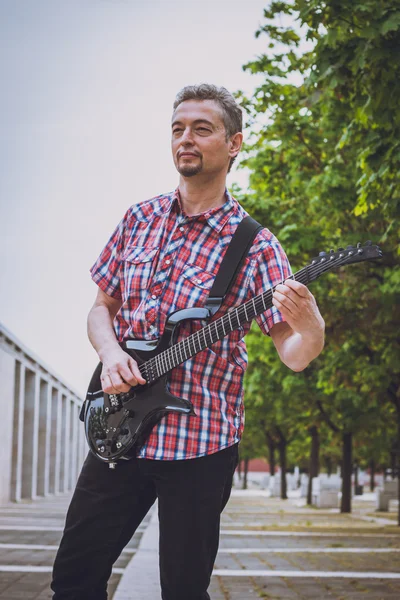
237	251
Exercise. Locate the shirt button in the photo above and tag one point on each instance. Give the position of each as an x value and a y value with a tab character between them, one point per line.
154	297
198	281
181	229
167	262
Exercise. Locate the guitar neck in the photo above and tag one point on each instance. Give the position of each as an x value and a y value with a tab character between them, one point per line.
216	330
177	354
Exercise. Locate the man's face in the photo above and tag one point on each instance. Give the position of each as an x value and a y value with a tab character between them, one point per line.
199	142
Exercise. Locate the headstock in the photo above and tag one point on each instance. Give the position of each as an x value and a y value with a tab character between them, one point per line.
346	256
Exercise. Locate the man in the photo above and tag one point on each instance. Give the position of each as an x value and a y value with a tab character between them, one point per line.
162	257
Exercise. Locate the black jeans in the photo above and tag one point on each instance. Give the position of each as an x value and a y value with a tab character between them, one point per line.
108	506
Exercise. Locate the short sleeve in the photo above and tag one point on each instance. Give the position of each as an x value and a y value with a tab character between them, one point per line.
106	271
273	267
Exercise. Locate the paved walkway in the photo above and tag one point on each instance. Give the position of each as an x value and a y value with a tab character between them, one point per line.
30	533
284	550
269	549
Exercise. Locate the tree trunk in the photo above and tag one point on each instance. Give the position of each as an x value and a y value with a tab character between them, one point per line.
328	463
282	461
271	455
345	506
239	468
372	474
314	461
245	471
398	461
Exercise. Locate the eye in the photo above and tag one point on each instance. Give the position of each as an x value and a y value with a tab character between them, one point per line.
176	131
203	130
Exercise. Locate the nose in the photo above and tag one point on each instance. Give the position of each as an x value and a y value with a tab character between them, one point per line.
186	137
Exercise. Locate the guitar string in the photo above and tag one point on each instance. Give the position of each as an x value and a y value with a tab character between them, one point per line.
306	274
165	361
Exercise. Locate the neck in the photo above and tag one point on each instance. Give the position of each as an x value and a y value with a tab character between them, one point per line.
197	196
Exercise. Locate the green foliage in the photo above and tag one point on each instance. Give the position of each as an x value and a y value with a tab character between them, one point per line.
324	163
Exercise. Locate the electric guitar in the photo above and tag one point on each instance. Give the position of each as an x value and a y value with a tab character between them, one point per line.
116	425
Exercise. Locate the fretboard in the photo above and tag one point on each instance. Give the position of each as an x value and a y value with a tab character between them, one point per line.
216	330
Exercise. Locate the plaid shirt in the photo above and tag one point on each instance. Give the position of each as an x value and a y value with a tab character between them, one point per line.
159	260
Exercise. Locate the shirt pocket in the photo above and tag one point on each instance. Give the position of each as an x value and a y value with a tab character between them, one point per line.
139	267
193	286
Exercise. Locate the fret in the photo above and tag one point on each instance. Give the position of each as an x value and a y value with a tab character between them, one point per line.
180	351
158	363
168	360
254	306
188	347
216	330
223	325
230	322
245	312
162	363
198	338
263	301
176	359
204	336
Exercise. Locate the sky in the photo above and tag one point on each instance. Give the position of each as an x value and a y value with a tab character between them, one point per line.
85	109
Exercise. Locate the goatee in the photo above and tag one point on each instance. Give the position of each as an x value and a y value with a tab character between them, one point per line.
189	170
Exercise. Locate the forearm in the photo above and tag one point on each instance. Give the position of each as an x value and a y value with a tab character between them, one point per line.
100	330
298	350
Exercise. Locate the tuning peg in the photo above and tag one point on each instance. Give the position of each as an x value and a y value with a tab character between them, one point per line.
368	243
331	251
322	254
350	247
358	244
340	249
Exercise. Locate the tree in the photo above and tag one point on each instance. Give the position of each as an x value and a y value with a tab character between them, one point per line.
324	172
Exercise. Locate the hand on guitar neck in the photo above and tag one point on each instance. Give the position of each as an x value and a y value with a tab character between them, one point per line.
301	338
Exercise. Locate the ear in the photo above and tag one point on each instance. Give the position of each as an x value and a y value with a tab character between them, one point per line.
235	143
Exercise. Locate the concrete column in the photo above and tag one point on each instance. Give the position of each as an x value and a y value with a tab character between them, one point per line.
74	449
53	438
58	441
66	443
63	442
42	437
18	440
35	436
28	429
7	377
47	451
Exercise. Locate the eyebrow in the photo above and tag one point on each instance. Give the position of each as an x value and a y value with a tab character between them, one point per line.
197	122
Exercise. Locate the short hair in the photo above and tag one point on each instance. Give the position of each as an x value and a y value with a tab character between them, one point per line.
231	111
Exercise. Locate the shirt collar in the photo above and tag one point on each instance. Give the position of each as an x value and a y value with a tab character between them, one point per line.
216	217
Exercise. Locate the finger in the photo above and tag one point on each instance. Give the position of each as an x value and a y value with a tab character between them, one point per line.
107	386
285	300
127	375
118	383
136	372
299	288
286	312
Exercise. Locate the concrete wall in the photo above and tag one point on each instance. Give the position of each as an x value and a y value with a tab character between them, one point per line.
42	441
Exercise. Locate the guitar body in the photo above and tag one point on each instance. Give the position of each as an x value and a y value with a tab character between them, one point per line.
116	426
